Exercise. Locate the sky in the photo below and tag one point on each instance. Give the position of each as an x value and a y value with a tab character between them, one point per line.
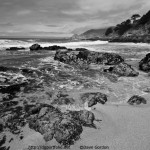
63	18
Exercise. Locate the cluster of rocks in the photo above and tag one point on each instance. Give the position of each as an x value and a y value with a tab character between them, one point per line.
15	48
88	57
14	80
85	57
64	127
36	47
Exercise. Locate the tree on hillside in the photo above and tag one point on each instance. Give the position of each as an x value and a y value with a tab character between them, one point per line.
109	31
144	19
123	27
135	17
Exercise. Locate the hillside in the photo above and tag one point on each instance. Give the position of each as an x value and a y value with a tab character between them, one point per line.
135	29
91	34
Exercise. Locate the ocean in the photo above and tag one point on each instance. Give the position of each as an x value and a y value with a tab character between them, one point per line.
66	77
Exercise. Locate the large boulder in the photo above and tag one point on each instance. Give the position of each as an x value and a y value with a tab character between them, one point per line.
122	69
136	100
87	57
67	131
64	127
100	58
144	64
94	98
35	47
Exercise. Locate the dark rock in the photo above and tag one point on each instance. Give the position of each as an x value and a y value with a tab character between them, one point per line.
13	119
136	100
86	57
64	127
12	69
43	123
122	69
12	89
100	58
48	136
94	98
63	101
2	139
67	132
144	64
27	71
86	118
54	47
15	48
81	49
35	47
1	127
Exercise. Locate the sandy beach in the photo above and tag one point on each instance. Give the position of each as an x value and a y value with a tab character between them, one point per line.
122	128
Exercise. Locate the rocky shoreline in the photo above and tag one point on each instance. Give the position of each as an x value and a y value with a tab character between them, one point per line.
48	119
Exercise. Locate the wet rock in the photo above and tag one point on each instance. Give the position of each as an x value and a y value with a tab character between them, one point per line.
2	140
63	101
12	89
122	69
1	126
32	109
54	47
44	123
30	72
87	57
15	48
80	49
144	64
42	112
136	100
13	119
35	47
94	98
86	118
48	136
5	69
100	58
67	132
64	127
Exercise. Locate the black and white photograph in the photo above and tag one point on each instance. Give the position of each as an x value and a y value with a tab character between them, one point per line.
74	75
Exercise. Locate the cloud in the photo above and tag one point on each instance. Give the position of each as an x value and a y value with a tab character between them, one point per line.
65	16
7	24
93	6
24	12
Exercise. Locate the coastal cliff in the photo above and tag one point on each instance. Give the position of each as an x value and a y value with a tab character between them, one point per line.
92	34
135	29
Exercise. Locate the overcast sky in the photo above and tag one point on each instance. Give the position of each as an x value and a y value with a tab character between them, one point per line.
61	18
